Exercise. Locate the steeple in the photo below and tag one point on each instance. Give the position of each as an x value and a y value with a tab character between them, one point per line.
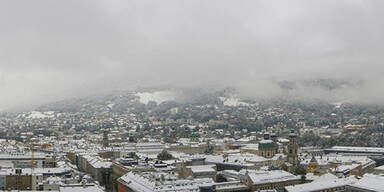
266	135
274	137
293	149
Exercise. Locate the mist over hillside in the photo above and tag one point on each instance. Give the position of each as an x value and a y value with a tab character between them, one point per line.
328	50
291	92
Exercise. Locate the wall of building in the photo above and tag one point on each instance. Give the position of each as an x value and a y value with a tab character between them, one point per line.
18	182
2	182
122	188
117	172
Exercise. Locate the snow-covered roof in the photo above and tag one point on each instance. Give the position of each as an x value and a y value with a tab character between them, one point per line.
273	176
202	168
97	162
38	171
22	156
357	149
244	159
324	183
80	188
380	168
340	159
370	182
139	182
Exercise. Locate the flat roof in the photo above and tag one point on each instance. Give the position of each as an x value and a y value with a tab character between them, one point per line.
356	149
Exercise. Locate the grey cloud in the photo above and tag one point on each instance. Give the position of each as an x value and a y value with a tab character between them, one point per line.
49	49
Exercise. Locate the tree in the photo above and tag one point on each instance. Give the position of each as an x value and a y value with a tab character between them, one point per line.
133	155
303	178
164	155
208	150
300	170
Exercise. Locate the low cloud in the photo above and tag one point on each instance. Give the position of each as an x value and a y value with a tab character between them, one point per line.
52	50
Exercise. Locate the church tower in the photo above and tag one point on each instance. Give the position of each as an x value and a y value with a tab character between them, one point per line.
313	166
292	149
267	148
274	139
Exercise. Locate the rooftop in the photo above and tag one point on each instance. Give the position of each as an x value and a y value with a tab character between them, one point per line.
321	184
273	176
370	182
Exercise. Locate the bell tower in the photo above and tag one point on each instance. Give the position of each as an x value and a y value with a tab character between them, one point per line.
292	149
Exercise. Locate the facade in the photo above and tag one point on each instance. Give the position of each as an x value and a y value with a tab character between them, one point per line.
313	166
98	169
267	148
18	180
2	182
200	171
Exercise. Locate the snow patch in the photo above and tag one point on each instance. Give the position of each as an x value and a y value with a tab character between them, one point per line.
158	96
39	115
232	102
111	105
338	104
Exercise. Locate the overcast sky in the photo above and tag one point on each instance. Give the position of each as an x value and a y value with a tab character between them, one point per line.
54	49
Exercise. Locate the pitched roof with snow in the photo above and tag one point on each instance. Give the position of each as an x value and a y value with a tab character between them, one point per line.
273	176
370	182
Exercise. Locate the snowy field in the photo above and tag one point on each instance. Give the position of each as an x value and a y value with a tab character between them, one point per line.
39	115
232	102
158	96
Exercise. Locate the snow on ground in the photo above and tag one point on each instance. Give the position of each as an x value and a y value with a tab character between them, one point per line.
338	104
232	102
158	96
111	105
40	115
